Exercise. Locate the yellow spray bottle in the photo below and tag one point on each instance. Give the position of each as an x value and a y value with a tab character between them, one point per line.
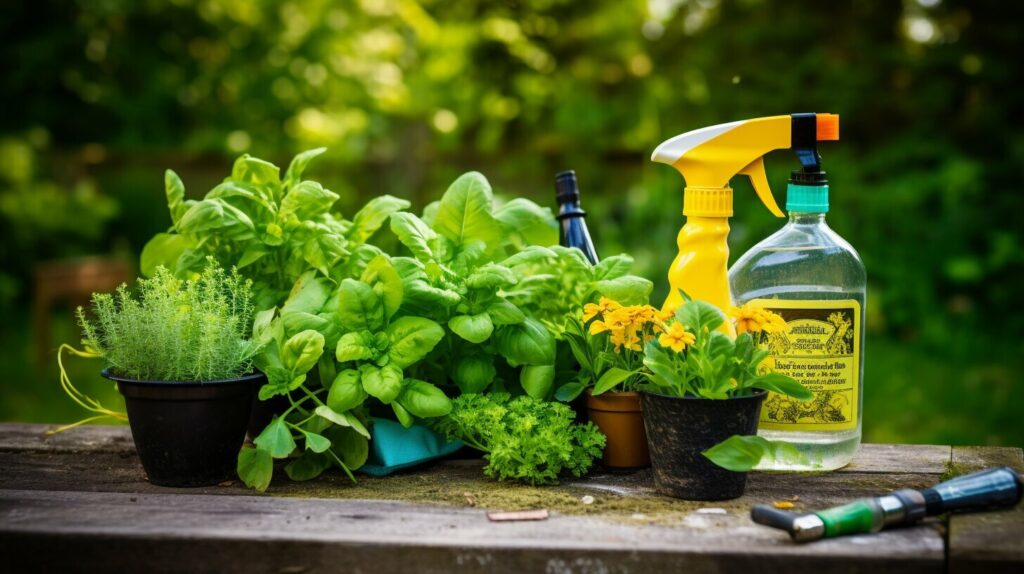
708	158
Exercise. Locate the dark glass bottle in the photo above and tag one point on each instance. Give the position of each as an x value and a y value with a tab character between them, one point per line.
571	216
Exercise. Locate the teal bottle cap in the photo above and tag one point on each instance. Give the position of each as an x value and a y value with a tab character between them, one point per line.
807	198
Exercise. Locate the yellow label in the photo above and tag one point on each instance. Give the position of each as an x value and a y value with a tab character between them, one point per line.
821	349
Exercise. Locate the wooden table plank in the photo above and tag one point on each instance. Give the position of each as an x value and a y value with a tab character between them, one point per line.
84	492
990	542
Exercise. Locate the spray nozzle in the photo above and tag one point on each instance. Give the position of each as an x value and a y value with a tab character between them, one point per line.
709	157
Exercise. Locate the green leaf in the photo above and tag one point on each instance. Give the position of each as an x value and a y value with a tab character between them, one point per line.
308	466
782	384
537	380
411	339
323	250
276	439
382	276
255	468
699	315
350	445
528	343
203	216
305	200
253	252
464	214
491	276
175	191
354	347
359	308
613	267
308	295
373	215
473	328
628	290
414	234
504	312
474	373
384	383
738	453
424	399
402	415
533	224
338	418
346	392
256	171
298	165
316	442
163	249
742	453
302	351
531	255
610	379
720	345
569	391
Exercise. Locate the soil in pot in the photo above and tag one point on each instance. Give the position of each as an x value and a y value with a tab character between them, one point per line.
620	418
679	430
188	434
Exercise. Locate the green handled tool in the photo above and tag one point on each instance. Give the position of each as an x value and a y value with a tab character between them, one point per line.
988	489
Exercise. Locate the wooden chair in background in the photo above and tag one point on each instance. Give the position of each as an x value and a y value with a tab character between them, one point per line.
70	283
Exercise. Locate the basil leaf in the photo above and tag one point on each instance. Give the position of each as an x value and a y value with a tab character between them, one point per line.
504	312
354	347
473	374
627	290
738	453
256	171
424	399
308	466
163	249
473	328
324	250
569	391
373	215
276	439
613	267
402	415
359	308
203	216
382	276
464	213
305	200
491	276
316	442
411	339
528	343
384	383
532	223
346	392
537	380
298	165
414	234
308	295
302	351
175	191
255	468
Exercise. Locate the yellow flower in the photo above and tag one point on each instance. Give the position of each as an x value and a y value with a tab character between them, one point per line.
676	338
598	327
751	319
604	305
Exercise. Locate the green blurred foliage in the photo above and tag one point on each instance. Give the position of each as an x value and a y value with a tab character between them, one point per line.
409	93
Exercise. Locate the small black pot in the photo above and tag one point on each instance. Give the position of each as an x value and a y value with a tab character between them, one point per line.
680	429
188	434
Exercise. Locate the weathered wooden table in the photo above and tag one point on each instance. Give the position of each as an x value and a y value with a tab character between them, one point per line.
79	501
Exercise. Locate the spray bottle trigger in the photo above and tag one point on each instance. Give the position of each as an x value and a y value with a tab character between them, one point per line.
759	179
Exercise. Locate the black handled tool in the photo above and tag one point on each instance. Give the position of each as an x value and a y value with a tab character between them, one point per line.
988	489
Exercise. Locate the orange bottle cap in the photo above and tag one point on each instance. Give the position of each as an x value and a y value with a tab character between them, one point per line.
828	127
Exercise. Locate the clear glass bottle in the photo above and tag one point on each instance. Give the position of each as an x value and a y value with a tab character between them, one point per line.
812	277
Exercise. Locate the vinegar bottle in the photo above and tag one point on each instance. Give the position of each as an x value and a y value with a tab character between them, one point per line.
573	226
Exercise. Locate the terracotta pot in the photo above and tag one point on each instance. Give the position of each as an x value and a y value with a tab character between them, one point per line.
620	418
681	429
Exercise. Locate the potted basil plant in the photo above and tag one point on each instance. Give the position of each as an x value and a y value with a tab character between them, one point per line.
607	341
702	401
181	354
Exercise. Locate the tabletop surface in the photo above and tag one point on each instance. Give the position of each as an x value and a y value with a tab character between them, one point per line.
80	501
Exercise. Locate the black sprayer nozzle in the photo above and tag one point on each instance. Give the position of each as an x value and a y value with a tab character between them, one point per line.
804	141
567	189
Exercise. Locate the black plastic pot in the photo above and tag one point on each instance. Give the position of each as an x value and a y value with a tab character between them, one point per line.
680	429
188	434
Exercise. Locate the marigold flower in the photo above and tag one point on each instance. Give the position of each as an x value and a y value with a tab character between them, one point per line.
598	327
604	305
676	338
751	319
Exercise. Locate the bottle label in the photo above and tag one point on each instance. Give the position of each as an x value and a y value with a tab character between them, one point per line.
820	348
